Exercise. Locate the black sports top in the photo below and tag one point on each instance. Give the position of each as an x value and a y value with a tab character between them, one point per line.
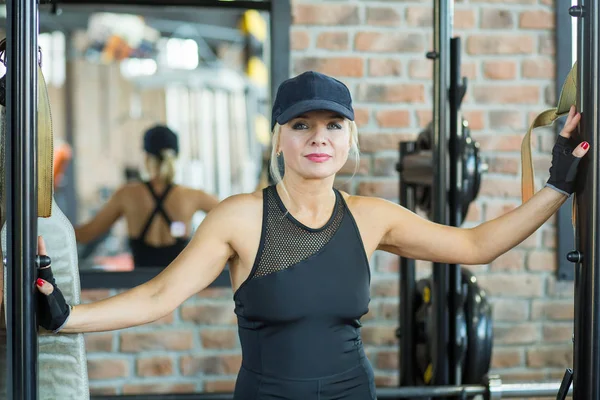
299	310
145	255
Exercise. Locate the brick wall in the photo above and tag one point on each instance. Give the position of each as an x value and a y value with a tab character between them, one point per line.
377	48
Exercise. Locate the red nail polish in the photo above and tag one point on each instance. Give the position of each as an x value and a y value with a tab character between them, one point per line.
39	282
585	145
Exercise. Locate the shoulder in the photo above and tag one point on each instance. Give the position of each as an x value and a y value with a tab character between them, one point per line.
240	206
365	205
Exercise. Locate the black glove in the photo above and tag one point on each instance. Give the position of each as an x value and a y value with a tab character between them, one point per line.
564	166
53	310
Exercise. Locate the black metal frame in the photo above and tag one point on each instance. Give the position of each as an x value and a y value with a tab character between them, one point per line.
587	278
21	173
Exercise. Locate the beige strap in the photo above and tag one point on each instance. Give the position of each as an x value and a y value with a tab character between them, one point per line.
568	98
45	143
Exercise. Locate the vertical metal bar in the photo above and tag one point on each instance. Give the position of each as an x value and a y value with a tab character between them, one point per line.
70	196
455	211
407	289
280	22
587	306
441	74
22	197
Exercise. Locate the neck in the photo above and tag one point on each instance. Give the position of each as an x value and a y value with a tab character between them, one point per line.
307	195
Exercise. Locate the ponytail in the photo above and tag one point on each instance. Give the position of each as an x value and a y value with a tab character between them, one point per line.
163	167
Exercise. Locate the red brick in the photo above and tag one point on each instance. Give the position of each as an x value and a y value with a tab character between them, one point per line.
464	19
507	119
522	375
156	340
154	366
473	213
504	165
387	360
299	40
385	166
500	69
538	19
385	67
547	45
98	342
378	42
513	260
361	116
469	70
393	118
499	187
371	143
509	310
524	333
499	44
420	69
558	333
335	66
384	288
385	189
383	16
210	314
219	338
521	94
219	386
330	15
494	210
419	16
159	388
538	68
553	310
505	1
389	311
496	19
167	319
499	143
228	364
424	117
107	368
506	358
513	284
550	356
350	167
475	118
379	335
391	93
542	260
333	41
549	239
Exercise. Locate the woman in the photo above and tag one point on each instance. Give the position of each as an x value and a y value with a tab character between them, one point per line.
158	212
298	254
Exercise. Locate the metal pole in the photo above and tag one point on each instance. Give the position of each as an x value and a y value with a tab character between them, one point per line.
407	288
441	125
587	281
22	197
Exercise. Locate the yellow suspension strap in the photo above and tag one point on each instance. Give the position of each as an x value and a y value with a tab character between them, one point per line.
45	150
567	98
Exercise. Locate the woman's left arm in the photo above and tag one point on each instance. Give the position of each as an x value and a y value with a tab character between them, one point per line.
409	235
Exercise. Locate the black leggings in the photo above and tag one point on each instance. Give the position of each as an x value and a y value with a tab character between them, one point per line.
356	383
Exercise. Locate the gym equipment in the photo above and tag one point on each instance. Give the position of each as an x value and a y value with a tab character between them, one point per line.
441	173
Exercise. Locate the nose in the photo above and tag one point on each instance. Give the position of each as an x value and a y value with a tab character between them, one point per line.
319	137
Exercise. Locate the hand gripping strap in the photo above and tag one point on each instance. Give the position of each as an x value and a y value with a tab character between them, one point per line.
567	98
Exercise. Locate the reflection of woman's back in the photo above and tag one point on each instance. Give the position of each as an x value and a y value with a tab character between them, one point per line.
158	212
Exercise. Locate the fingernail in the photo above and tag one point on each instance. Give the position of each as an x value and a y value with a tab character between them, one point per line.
39	282
585	145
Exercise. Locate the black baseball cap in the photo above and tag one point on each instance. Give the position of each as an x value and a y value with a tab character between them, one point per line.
310	91
159	138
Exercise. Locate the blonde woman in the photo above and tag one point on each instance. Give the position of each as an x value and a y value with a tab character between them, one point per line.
158	212
299	255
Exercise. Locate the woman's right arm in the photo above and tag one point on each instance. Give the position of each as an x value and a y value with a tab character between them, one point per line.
193	270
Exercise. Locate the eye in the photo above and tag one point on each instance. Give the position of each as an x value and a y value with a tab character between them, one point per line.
334	125
299	125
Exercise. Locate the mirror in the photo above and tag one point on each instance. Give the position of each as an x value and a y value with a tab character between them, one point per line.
113	72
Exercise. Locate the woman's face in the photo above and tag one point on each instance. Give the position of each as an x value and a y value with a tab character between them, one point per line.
315	145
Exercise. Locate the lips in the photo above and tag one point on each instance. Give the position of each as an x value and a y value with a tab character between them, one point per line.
318	157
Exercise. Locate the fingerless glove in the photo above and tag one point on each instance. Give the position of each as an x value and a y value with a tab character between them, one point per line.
564	166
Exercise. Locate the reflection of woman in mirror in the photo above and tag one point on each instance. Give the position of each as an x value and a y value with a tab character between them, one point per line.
298	254
158	212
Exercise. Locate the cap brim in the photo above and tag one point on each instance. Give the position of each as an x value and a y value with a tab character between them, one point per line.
314	105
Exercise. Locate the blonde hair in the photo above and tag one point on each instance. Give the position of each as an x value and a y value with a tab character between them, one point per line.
274	164
164	167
